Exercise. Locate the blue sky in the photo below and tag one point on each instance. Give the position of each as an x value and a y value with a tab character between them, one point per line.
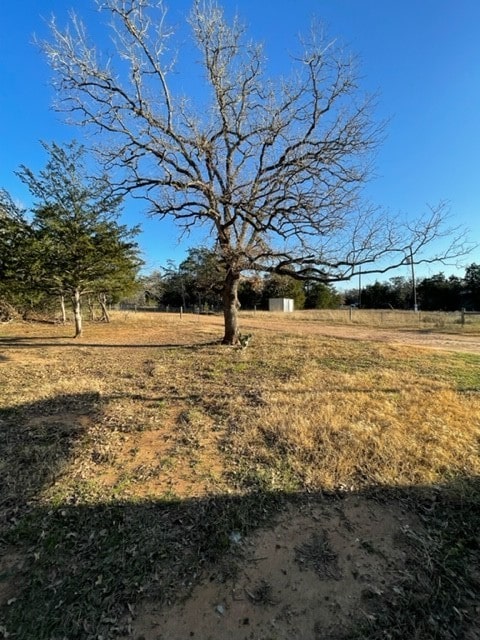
422	56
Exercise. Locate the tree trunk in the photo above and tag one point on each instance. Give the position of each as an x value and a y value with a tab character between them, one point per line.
230	308
91	308
62	308
102	298
77	313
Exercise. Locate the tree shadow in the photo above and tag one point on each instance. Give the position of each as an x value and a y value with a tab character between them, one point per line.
36	440
85	568
21	340
24	342
90	567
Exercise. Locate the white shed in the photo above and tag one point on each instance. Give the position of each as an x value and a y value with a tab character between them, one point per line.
280	304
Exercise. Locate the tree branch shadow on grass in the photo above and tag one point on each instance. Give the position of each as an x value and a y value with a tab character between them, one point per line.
20	343
22	340
85	567
36	440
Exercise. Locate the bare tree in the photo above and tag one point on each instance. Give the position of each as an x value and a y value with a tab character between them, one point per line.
273	169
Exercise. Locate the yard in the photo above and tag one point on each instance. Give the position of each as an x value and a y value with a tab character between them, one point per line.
321	483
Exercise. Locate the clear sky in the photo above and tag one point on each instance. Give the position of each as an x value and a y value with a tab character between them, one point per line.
422	56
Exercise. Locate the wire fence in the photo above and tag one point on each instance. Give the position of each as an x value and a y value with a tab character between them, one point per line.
346	315
395	318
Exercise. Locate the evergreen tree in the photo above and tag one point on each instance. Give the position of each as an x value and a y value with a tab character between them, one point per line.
18	257
321	296
438	293
79	246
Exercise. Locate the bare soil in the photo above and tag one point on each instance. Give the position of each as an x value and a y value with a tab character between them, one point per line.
312	575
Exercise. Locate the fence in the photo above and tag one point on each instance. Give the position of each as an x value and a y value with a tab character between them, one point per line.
390	318
129	306
465	313
413	318
393	318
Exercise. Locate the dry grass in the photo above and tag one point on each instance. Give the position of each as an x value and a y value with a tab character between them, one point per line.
332	413
156	406
386	318
151	410
356	414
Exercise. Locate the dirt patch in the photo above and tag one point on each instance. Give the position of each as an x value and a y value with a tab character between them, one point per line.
313	575
172	457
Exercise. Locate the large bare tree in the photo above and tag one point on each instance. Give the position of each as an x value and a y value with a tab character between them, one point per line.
273	170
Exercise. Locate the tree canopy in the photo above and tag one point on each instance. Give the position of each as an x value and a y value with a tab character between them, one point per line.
75	244
18	257
472	283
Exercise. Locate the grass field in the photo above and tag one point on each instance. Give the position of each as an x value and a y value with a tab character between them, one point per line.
131	456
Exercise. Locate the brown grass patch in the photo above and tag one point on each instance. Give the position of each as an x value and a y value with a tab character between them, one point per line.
180	414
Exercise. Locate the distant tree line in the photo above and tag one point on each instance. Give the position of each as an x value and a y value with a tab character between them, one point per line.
435	293
197	283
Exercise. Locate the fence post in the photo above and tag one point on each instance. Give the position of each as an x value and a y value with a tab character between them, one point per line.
463	316
181	312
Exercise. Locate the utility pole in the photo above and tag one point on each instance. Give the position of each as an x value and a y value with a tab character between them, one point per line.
414	284
359	287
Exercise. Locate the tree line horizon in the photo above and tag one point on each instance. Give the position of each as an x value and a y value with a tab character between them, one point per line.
196	284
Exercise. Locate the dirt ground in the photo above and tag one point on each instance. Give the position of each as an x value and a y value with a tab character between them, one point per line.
310	576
